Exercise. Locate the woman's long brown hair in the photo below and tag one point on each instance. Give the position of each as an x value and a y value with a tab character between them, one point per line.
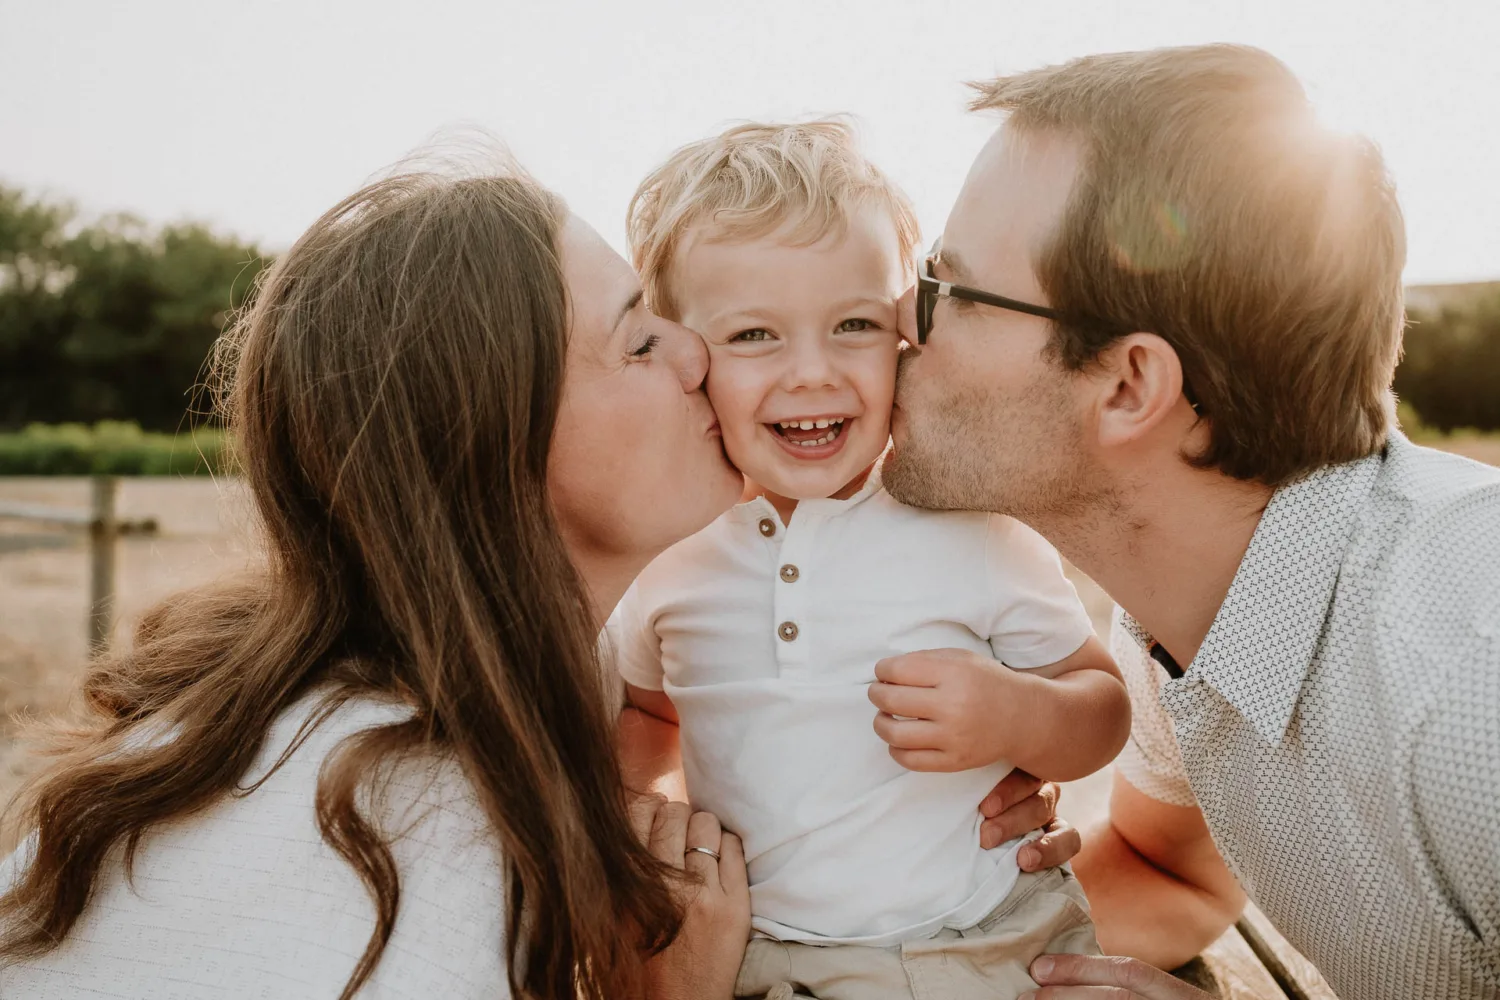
393	390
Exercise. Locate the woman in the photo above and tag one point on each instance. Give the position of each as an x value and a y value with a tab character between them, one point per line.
384	763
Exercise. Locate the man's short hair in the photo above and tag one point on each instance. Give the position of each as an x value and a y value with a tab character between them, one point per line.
1213	209
753	180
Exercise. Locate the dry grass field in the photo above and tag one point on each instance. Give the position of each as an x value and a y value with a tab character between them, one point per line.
205	532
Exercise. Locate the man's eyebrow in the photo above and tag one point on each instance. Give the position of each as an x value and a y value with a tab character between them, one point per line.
955	264
630	304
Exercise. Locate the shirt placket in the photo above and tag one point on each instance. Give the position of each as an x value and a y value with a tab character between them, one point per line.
793	595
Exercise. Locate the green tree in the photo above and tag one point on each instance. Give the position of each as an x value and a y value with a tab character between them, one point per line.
1450	373
111	320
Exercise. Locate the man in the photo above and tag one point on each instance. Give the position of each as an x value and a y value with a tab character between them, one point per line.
1166	312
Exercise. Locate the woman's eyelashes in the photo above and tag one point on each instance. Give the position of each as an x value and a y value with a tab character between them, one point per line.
647	346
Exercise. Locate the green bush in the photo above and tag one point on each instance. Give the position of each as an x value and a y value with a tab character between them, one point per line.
1450	375
111	448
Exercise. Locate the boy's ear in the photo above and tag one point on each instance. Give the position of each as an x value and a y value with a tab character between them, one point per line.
1140	383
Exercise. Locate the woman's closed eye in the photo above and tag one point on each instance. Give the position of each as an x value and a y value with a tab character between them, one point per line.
647	346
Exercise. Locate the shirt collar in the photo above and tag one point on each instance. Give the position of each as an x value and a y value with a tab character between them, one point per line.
1260	646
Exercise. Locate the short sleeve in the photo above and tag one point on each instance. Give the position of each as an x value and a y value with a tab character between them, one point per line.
1150	761
1037	618
631	643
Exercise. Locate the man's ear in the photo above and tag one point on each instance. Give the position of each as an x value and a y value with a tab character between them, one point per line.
1140	380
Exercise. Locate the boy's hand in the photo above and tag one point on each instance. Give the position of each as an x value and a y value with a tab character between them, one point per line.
944	709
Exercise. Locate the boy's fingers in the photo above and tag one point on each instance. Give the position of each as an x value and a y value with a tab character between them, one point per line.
909	734
1014	788
899	699
914	669
922	760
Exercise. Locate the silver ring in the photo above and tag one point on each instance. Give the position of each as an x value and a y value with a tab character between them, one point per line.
702	850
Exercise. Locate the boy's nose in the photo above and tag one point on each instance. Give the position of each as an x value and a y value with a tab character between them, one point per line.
811	367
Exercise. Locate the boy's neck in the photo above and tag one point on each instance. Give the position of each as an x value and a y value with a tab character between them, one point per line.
786	505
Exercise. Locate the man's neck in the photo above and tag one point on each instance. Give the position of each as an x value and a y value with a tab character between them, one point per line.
1169	554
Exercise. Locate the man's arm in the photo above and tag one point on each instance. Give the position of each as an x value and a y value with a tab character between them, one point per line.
1157	886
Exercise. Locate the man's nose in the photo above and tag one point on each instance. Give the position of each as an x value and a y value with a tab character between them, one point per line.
906	316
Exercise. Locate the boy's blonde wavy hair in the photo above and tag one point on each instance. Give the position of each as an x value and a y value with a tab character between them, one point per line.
753	180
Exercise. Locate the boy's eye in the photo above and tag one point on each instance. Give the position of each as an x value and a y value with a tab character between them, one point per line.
855	325
750	336
646	347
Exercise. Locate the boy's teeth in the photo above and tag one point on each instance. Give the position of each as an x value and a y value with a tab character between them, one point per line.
821	423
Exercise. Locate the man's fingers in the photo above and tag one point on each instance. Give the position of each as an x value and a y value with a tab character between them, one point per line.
1015	787
1059	844
909	734
899	699
1133	978
669	833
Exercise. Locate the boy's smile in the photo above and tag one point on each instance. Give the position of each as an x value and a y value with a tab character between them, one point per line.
802	343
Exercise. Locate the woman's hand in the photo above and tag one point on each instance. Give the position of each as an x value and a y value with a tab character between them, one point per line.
1020	804
704	960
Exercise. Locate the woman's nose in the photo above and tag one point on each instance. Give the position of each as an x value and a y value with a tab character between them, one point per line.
688	355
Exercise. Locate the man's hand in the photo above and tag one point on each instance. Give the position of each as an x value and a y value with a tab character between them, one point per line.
1103	977
1019	805
944	709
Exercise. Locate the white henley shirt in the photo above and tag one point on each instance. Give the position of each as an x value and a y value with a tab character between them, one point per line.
766	638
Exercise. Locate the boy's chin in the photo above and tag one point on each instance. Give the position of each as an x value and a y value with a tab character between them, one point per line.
812	484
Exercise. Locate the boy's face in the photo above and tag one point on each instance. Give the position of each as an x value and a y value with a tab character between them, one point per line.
802	349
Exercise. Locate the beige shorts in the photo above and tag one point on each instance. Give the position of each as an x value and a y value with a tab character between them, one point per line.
1046	913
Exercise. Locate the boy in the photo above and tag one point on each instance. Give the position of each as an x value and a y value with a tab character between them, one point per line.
769	633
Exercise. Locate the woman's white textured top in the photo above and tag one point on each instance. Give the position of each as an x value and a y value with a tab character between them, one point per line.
246	900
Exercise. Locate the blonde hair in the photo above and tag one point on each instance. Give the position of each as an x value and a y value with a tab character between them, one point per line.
753	180
1214	210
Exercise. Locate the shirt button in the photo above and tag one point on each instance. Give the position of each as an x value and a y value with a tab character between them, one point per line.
787	631
767	527
789	573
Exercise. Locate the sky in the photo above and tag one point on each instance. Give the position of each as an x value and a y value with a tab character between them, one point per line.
256	117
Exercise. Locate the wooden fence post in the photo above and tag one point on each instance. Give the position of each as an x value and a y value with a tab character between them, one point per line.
104	529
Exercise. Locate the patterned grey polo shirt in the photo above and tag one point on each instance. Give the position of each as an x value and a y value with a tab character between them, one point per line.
1340	726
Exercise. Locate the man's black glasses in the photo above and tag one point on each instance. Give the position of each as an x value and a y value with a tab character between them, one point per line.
930	289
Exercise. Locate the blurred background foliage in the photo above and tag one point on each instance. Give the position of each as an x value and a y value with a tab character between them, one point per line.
109	320
106	326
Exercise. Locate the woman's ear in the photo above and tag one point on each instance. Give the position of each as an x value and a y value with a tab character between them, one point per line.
1141	386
